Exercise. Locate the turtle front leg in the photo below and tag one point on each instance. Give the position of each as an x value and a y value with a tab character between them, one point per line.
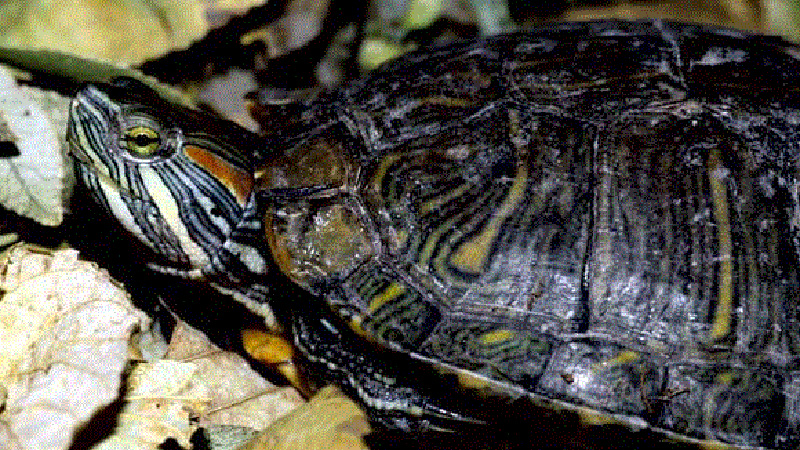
397	391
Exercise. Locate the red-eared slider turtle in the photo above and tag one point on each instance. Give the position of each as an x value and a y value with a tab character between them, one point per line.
601	216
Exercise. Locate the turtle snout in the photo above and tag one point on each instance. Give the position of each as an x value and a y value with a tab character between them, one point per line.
76	110
92	114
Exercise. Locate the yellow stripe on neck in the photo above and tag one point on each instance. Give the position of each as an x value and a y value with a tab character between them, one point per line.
169	211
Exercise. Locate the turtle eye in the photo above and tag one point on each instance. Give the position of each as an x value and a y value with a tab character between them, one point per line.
141	141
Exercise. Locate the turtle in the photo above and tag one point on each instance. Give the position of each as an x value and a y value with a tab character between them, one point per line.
597	217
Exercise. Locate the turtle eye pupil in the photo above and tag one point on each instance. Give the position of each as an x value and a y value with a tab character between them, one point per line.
141	141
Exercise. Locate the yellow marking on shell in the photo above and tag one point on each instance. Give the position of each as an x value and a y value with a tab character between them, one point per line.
724	378
723	316
589	417
471	381
716	445
622	358
446	101
390	293
380	173
239	182
168	209
471	256
433	240
401	238
496	336
357	325
415	410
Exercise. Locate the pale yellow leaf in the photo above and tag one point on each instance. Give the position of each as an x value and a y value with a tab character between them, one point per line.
172	398
161	401
65	326
239	395
124	31
35	182
329	421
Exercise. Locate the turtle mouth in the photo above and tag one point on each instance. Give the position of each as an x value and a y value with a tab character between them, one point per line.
94	176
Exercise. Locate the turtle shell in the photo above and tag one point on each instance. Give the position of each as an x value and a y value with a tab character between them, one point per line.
606	214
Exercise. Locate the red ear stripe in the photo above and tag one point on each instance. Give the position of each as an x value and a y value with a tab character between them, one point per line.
238	181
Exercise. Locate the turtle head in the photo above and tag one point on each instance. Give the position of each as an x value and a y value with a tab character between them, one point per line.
179	180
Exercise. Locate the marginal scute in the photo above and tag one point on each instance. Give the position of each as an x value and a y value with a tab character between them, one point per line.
602	376
391	309
735	405
640	70
470	381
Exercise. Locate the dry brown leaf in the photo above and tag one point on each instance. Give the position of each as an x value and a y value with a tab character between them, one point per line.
238	395
207	387
65	326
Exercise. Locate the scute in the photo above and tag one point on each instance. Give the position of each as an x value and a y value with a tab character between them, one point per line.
604	213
